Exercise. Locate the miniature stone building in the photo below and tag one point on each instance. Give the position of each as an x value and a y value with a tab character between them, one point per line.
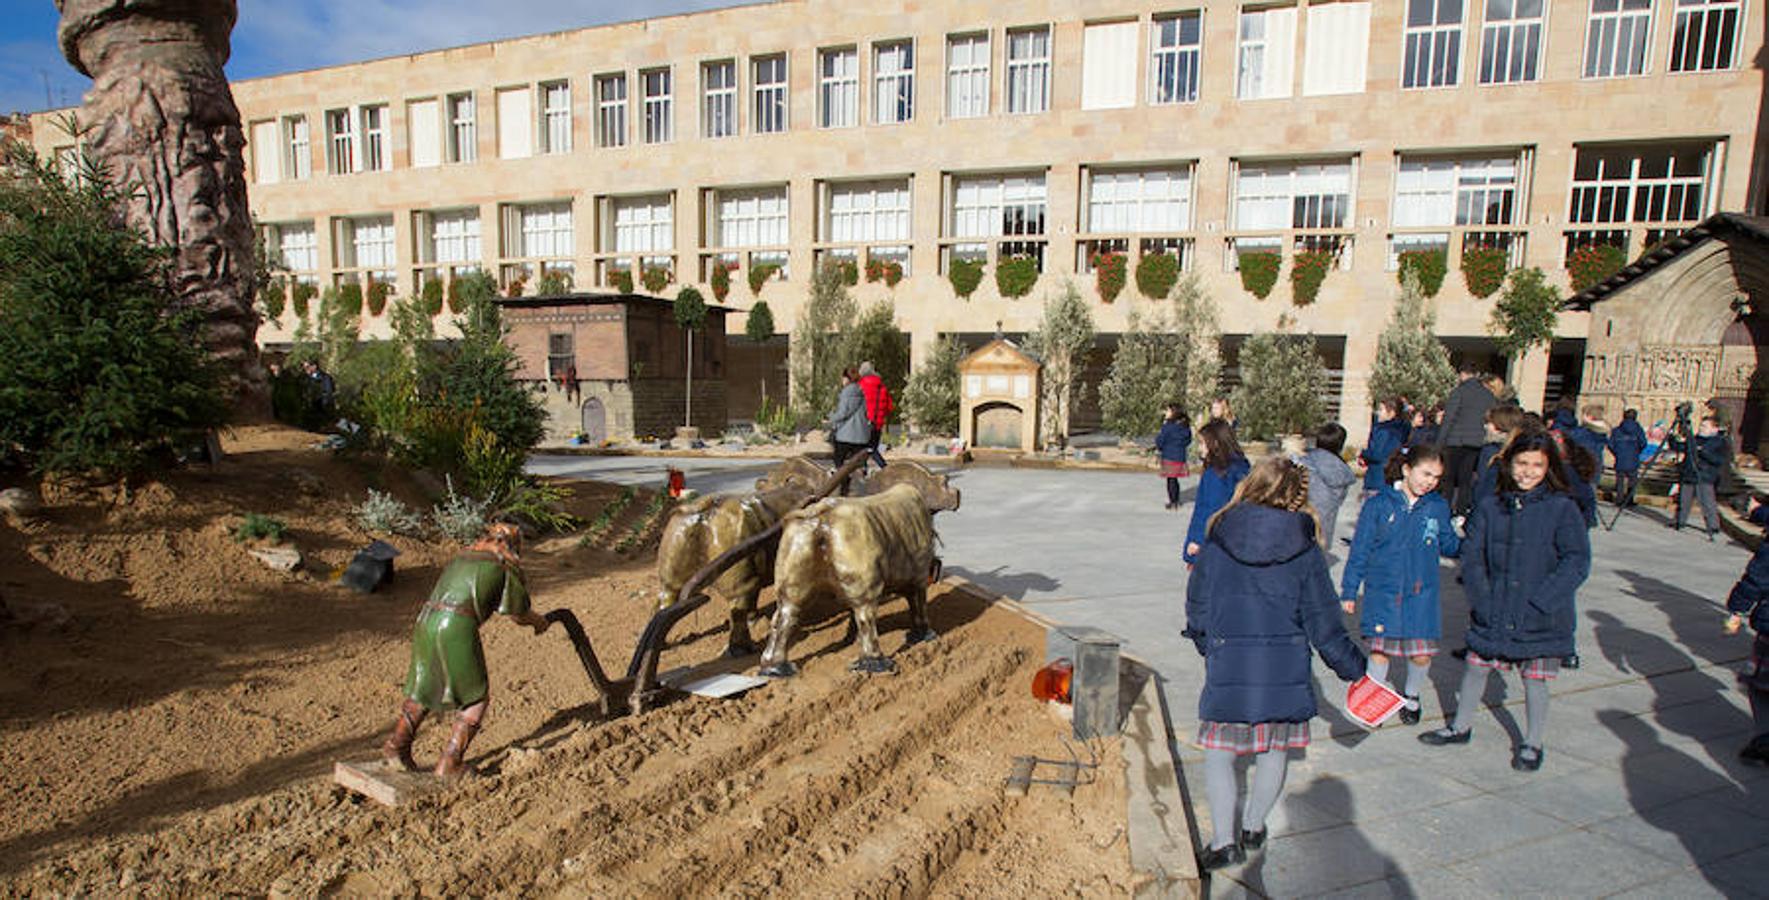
998	406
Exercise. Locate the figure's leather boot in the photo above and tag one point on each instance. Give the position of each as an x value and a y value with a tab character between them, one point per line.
453	762
397	750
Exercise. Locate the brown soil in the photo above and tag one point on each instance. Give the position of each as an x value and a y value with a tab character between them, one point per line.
170	711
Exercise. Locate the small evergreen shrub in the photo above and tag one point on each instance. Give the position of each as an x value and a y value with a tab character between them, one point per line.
893	273
517	287
1593	264
1483	269
1308	270
384	514
273	298
1156	274
965	275
1015	276
257	526
1111	271
456	301
759	273
1429	266
458	517
655	278
1259	271
760	324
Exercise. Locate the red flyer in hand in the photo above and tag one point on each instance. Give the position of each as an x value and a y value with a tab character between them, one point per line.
1370	702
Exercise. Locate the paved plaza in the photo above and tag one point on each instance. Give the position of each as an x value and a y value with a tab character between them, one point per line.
1641	793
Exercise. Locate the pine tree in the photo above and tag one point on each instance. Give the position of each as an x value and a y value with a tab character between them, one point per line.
1143	377
1061	343
815	357
932	399
1410	361
1282	379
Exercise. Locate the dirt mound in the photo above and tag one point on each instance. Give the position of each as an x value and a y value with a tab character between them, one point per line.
173	735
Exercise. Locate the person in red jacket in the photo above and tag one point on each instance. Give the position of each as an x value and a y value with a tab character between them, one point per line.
878	407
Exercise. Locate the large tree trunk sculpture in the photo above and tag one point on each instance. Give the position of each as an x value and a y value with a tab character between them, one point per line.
160	119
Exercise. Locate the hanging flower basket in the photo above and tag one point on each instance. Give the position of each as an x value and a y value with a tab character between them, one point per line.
1429	266
1259	271
1308	270
1156	274
1483	268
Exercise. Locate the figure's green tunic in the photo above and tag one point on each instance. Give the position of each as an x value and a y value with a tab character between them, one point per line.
448	662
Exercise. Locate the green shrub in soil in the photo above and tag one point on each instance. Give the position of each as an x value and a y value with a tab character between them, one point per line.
1594	264
759	273
260	527
1429	266
622	280
1110	271
965	275
893	273
1015	276
1156	274
1308	270
1259	271
720	281
1483	269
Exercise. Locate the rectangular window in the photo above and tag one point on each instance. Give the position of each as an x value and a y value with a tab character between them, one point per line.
718	99
751	217
454	237
1511	41
643	224
340	141
1173	58
463	129
1028	70
769	78
538	230
556	117
1265	65
267	159
375	150
424	121
992	206
1139	201
611	110
655	96
560	358
298	245
1337	53
1706	35
863	211
1617	37
967	75
1651	184
515	123
1108	65
1278	196
1433	44
893	82
299	162
838	88
1445	191
367	243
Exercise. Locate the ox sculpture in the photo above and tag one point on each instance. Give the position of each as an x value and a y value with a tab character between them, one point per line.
858	550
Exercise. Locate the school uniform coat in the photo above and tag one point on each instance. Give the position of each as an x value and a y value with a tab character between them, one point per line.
1522	563
1173	441
1750	596
1215	488
1328	480
1393	561
1626	442
1385	438
1258	599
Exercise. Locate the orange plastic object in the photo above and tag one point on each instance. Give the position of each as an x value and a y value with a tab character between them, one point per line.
1052	681
677	483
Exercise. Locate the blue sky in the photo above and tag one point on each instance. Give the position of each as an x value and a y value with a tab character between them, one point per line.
276	36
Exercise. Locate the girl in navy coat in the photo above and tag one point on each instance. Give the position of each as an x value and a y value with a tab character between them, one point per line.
1522	563
1401	532
1259	597
1750	600
1224	467
1386	436
1174	441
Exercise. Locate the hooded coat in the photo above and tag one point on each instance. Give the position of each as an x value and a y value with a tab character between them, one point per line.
1215	488
1626	442
1259	597
1385	438
1393	561
1174	440
1523	560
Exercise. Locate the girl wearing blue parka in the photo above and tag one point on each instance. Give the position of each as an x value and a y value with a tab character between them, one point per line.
1173	443
1224	467
1523	560
1401	533
1387	435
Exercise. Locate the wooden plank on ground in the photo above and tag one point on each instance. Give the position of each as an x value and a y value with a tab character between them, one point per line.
384	785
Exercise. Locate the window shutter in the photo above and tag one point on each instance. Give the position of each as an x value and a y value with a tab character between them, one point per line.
1338	49
425	117
515	123
1279	72
1108	66
266	158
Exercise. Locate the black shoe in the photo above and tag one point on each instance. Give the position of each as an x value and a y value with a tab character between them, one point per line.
1253	840
1526	758
1570	661
1409	714
1217	857
1755	753
1440	736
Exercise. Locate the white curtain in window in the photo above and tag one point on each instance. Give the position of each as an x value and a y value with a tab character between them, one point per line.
752	217
266	153
545	230
299	247
371	242
1143	201
454	236
868	211
1268	53
643	224
1108	66
424	119
1425	193
515	123
1338	50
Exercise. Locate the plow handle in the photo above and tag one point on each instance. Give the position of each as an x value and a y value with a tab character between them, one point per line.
611	695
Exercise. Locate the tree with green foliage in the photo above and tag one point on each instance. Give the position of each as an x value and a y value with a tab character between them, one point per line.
1167	355
1282	379
1410	361
690	314
931	398
1525	314
759	325
101	370
1195	316
876	337
815	359
1060	345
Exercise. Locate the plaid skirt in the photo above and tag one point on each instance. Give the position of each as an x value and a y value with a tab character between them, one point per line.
1408	647
1171	468
1242	738
1541	668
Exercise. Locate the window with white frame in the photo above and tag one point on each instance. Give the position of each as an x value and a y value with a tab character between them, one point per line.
865	211
1336	54
297	245
893	82
1511	41
1646	184
1108	64
1433	44
538	231
1706	35
299	162
515	122
341	151
611	110
967	75
1617	37
1139	201
655	95
366	242
1455	191
750	217
424	122
556	117
838	87
997	206
643	224
267	156
376	150
451	237
1174	44
1278	196
768	75
1266	58
463	129
1028	70
718	99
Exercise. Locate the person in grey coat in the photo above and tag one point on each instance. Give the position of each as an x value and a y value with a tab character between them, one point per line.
1328	476
1460	436
849	429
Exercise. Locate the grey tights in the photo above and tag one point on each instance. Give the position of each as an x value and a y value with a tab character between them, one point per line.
1416	675
1535	703
1266	783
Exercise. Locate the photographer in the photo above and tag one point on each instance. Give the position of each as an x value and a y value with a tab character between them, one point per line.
1704	457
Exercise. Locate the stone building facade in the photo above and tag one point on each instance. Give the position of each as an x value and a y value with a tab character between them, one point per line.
793	132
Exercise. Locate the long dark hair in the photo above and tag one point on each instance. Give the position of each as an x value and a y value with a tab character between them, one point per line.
1582	460
1408	457
1220	446
1524	442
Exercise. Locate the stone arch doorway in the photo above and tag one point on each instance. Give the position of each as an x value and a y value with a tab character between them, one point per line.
594	421
998	426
